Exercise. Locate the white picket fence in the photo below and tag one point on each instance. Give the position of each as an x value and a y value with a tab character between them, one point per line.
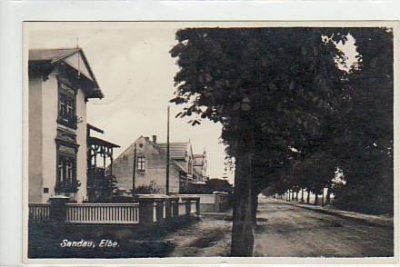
103	213
39	211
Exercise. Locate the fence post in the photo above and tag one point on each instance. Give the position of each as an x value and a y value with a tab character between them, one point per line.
197	199
188	205
217	200
146	205
58	209
175	207
225	201
159	210
168	209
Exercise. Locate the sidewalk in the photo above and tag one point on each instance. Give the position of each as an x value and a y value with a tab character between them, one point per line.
373	220
208	237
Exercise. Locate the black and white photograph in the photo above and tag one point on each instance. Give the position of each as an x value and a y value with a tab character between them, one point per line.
210	139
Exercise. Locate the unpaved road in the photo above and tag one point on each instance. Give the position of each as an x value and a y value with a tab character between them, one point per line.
285	230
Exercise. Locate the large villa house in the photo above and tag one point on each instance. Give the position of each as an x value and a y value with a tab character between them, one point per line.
63	158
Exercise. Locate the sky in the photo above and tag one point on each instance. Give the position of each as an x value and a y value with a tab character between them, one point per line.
135	71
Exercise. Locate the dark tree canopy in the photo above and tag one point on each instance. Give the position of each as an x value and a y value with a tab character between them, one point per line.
365	147
283	82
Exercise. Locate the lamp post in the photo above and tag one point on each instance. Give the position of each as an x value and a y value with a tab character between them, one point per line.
167	166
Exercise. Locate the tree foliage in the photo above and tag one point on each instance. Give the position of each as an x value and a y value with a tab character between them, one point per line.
365	146
101	186
209	187
272	89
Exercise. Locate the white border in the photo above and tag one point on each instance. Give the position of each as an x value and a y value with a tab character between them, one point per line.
13	13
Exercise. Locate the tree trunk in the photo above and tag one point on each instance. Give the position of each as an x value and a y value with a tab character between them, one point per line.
243	226
308	196
297	195
254	209
328	196
323	198
316	199
292	194
302	195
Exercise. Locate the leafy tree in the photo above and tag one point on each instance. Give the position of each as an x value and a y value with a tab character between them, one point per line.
363	131
272	89
316	172
101	186
210	186
218	185
67	186
151	188
365	142
313	173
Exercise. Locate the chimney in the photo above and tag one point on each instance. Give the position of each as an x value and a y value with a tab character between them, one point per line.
154	139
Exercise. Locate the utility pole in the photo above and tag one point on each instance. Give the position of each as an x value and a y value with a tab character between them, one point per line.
134	170
167	167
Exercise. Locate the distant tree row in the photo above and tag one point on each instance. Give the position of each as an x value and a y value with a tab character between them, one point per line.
356	162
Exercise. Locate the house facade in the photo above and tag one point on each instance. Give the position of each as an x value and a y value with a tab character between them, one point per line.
200	167
60	85
151	166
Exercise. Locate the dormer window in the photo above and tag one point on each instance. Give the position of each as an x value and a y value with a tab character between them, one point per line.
66	106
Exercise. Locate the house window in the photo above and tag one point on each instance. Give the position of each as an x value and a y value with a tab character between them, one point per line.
66	106
66	166
66	170
141	163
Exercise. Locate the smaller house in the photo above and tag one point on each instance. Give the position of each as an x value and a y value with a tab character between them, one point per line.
151	166
200	167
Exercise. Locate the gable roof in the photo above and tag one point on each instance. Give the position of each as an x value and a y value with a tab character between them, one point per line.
91	140
44	60
177	150
51	55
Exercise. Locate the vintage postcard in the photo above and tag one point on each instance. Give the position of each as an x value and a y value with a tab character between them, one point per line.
163	141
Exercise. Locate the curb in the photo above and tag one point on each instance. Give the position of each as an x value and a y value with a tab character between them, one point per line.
389	223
